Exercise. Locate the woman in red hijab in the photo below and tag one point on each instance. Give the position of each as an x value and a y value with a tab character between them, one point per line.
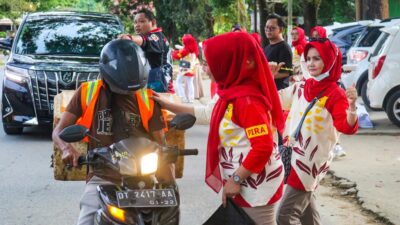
318	32
313	141
242	156
188	75
298	44
298	40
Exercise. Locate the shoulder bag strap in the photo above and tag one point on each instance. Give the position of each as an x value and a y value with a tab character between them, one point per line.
312	103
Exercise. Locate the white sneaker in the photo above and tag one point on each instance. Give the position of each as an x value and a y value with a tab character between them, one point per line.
338	151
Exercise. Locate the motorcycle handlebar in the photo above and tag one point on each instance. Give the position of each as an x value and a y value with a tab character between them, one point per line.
189	152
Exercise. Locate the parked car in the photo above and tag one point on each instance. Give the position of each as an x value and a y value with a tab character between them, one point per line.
332	30
345	38
367	45
51	52
384	80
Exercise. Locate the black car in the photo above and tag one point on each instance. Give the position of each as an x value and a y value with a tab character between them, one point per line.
51	52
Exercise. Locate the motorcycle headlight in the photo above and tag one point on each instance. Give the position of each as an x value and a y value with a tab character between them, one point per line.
16	74
149	163
117	213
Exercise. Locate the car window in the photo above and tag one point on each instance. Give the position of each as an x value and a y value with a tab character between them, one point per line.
382	44
69	35
353	37
369	36
337	30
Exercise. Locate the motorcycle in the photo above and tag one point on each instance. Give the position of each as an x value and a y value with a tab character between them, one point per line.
139	199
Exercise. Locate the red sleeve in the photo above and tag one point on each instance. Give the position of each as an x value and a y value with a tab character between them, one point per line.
251	115
337	107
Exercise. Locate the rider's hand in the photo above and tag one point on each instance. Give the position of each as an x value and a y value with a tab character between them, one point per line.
70	156
231	188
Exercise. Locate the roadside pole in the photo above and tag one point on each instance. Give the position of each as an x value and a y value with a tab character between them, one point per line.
290	23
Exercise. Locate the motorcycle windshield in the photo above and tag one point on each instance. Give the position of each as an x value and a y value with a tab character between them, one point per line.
128	153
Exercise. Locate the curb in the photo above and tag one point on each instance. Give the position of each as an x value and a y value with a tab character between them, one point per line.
378	216
378	132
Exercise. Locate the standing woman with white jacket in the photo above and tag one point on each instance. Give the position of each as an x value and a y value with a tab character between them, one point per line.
312	145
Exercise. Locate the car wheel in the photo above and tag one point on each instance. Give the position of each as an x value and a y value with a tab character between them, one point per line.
364	94
393	108
12	130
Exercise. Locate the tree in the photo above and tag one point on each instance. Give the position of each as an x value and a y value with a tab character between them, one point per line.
15	8
262	6
336	11
189	16
310	12
46	5
229	12
373	9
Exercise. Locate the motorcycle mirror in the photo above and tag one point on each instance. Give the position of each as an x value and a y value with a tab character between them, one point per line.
73	133
183	121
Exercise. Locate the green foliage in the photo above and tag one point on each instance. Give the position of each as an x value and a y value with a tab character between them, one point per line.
229	12
3	34
189	16
296	6
47	5
336	11
15	8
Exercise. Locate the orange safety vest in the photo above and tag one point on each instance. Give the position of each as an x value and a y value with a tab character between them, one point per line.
89	95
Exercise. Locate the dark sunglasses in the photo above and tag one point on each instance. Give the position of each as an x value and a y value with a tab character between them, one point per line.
322	40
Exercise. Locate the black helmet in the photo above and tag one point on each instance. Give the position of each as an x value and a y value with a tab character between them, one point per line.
123	66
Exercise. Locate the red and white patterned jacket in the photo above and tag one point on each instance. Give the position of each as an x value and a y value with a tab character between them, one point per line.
312	153
248	139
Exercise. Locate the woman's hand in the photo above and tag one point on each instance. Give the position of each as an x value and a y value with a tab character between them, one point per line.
351	94
275	67
161	100
124	36
231	189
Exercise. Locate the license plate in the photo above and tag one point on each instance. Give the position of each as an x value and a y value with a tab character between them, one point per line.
146	198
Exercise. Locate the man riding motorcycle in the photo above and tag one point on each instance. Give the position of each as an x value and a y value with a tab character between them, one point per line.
114	108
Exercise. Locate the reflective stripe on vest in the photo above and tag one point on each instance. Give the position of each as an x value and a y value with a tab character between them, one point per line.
146	106
89	94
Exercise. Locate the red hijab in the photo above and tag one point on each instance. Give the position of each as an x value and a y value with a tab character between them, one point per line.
332	58
190	43
321	31
301	42
189	46
240	69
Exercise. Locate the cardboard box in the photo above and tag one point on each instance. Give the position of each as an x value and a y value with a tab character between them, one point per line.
174	138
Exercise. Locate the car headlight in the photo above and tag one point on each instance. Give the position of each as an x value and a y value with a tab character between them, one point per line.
16	74
117	213
149	163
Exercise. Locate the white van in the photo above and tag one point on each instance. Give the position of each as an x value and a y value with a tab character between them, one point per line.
384	76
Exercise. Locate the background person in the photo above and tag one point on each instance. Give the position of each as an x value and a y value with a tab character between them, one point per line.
318	32
334	112
278	51
190	77
153	42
